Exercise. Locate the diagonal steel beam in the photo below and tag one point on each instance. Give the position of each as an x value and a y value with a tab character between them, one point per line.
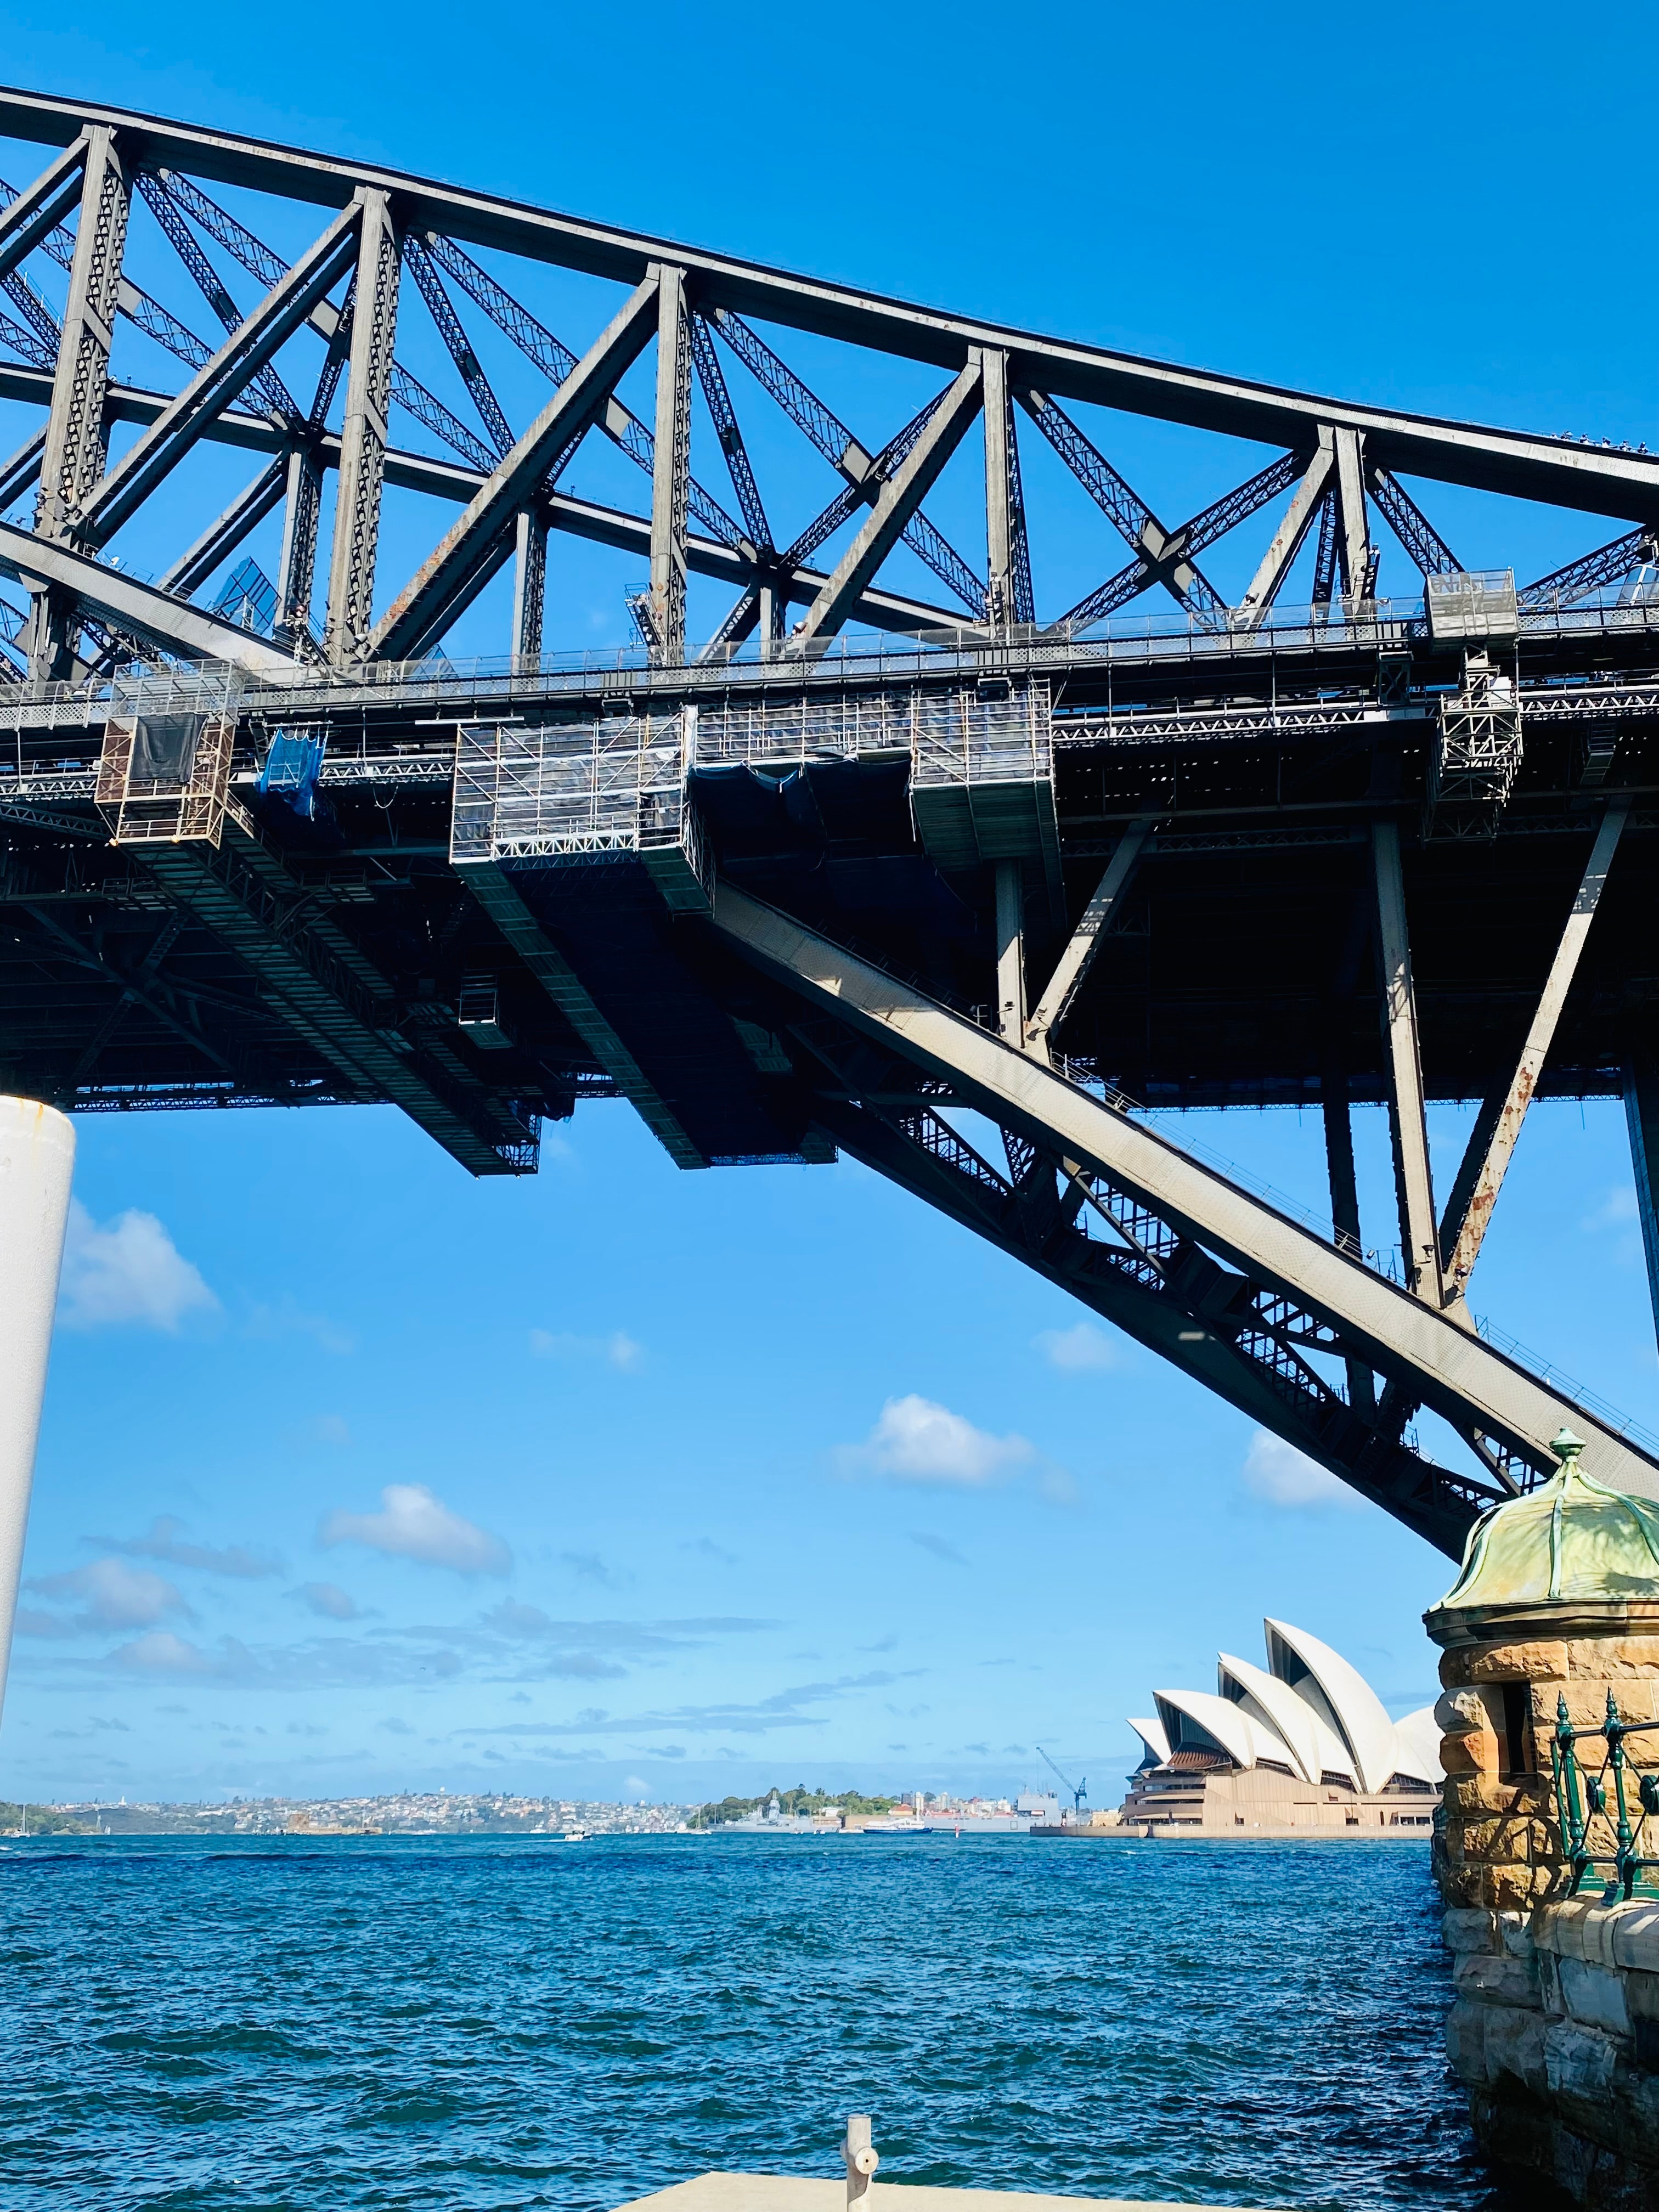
897	502
1294	525
158	451
1165	1296
139	609
1492	1140
220	538
1559	470
1162	554
41	207
1074	962
1439	1363
450	576
1427	548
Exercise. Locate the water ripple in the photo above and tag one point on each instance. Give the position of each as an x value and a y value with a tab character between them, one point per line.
493	2026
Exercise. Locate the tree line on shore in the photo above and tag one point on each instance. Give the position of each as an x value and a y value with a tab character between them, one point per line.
799	1800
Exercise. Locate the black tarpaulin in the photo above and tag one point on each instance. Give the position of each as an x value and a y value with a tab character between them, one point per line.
164	748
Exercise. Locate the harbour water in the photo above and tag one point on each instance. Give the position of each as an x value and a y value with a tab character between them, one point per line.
210	2025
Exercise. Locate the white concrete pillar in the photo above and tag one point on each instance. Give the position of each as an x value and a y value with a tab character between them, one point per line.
37	1157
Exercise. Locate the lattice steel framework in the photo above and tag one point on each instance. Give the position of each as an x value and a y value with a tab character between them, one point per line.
346	866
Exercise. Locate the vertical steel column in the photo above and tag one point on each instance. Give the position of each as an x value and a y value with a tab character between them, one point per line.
1642	1117
1353	538
1344	1205
301	513
999	506
1010	954
363	437
77	435
37	1157
1403	1065
774	609
670	473
529	587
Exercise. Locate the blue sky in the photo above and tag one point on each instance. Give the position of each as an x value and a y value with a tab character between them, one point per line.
356	1474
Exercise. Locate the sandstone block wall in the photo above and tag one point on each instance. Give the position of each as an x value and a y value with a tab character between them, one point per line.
1555	2029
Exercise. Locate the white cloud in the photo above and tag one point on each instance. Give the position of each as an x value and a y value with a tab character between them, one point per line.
163	1653
115	1595
618	1349
128	1270
1617	1210
1083	1350
917	1441
329	1601
165	1540
413	1524
1277	1473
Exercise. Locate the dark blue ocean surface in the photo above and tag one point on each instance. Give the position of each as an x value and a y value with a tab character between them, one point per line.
499	2023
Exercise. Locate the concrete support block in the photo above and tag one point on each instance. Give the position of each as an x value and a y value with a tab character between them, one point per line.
1578	2061
1593	1995
1466	2042
1636	1938
1465	1929
1488	1978
1513	2044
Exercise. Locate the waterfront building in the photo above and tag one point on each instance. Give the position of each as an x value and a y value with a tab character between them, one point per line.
1301	1746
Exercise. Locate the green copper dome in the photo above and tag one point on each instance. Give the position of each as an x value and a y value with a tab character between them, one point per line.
1572	1540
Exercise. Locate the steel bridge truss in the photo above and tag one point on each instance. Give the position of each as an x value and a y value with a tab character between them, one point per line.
1334	469
260	840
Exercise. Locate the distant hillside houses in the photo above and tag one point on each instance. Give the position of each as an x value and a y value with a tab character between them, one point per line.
1302	1746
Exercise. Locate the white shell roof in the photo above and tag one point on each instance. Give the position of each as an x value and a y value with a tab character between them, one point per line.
1358	1711
1152	1734
1287	1721
1247	1740
1317	1751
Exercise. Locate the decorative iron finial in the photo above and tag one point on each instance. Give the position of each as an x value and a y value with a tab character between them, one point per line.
1566	1446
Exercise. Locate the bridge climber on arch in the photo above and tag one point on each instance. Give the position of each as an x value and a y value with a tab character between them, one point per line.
894	859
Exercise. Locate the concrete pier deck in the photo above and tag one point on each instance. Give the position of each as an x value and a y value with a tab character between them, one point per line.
790	2192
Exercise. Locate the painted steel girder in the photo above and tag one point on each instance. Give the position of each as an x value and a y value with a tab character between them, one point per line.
1598	480
1178	1314
1429	1358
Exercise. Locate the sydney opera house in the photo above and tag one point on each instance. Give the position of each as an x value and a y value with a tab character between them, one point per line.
1301	1746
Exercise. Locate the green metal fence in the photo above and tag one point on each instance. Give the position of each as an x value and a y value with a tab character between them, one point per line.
1616	1792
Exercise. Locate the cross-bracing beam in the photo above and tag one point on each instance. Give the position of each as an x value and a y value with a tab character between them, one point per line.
160	449
460	566
898	500
1250	1277
1497	1126
1559	470
139	610
1075	960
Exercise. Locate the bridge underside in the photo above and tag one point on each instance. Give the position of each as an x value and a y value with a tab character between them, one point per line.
959	900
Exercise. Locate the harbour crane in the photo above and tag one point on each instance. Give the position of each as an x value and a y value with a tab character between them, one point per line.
1079	1790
